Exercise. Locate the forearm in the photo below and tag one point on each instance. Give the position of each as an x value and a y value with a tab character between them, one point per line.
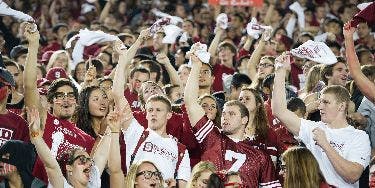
105	11
267	18
348	170
30	72
114	160
248	42
173	75
278	92
192	86
44	153
101	154
215	43
254	59
133	49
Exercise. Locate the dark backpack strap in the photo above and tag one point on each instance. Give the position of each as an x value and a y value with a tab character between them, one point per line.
181	153
123	152
140	141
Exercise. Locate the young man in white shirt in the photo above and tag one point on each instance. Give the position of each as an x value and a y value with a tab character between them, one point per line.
341	151
151	144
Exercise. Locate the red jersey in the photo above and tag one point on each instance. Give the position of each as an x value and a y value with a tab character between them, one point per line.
255	167
61	135
219	70
132	99
269	145
13	127
285	138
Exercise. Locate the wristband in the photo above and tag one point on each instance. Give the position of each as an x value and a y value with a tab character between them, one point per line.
34	134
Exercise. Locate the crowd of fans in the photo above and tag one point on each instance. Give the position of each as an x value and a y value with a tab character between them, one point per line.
194	102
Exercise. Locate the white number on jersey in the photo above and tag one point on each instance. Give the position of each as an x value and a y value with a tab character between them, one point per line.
240	159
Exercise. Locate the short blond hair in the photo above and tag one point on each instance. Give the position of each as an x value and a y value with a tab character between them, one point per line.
132	174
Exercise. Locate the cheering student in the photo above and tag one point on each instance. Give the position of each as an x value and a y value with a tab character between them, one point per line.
342	151
60	133
221	148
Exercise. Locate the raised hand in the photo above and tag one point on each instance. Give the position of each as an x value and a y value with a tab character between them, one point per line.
30	32
348	31
90	75
35	128
163	59
145	34
119	47
283	61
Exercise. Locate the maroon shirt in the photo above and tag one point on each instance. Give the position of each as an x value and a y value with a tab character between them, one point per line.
132	99
219	70
72	137
13	127
255	167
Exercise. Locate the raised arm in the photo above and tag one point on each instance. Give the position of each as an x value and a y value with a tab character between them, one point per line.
195	111
55	176
105	10
29	79
173	75
366	86
114	160
255	58
215	43
279	107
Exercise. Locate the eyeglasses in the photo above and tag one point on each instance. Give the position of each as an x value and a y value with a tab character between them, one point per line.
235	184
62	95
83	160
205	105
264	65
148	174
205	72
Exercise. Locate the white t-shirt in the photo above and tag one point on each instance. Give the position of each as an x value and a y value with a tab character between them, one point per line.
351	144
94	181
163	152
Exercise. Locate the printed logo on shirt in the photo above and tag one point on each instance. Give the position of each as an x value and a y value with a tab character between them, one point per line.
66	131
136	104
336	145
152	148
5	135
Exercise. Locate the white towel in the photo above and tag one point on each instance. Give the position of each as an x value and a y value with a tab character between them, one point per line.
254	29
315	51
184	37
174	19
5	10
200	50
159	24
171	34
298	9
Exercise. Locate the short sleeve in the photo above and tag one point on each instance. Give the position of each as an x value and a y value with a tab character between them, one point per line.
360	150
305	131
184	170
134	129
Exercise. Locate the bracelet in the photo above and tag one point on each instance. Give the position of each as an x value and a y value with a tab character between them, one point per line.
34	134
115	132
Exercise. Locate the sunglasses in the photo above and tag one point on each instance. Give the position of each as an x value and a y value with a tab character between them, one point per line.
148	174
83	160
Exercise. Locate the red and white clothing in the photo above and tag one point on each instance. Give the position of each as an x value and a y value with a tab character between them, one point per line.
269	145
219	69
94	181
350	143
13	127
254	165
61	135
133	100
162	151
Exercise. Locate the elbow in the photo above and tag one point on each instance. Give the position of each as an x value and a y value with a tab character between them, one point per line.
353	176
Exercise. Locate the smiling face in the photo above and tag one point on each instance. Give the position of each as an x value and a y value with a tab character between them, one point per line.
79	170
147	176
339	75
64	102
98	103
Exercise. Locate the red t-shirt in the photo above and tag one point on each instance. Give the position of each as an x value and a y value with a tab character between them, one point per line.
294	72
269	145
219	70
132	99
255	166
285	138
61	135
13	127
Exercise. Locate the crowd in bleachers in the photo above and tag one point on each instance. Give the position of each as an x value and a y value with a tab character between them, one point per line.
187	93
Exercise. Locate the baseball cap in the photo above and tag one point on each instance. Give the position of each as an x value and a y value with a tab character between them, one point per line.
18	51
56	73
46	56
6	77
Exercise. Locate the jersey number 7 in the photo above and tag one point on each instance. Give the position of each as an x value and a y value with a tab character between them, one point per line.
240	160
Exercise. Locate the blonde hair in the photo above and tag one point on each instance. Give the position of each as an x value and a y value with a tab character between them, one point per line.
312	79
132	174
54	57
198	169
302	169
